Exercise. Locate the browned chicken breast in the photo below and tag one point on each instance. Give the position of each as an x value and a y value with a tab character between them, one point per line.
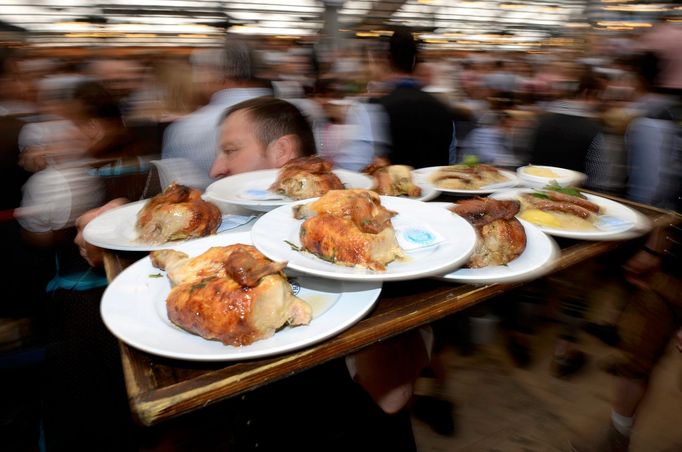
501	237
176	214
306	177
339	240
341	203
233	294
349	227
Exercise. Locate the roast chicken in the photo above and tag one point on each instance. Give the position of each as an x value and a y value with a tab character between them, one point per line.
349	227
176	214
501	237
394	180
233	294
306	177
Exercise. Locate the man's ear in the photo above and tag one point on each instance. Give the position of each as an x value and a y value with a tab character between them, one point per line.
283	149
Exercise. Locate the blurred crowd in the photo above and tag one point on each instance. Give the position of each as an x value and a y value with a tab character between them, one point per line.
76	133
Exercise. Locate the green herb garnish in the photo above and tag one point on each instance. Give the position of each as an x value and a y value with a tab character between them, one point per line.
293	245
539	194
554	186
201	284
158	275
470	160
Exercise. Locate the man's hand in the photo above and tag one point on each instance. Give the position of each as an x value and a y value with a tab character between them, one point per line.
91	253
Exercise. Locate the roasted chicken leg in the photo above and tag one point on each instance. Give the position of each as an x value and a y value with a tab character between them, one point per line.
233	294
177	213
501	237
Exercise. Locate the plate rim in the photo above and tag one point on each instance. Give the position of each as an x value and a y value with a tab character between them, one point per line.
135	207
340	272
372	290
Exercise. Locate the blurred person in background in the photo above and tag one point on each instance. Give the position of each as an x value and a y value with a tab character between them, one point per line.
122	78
567	135
229	75
652	138
405	125
493	140
651	319
167	92
84	123
82	366
653	313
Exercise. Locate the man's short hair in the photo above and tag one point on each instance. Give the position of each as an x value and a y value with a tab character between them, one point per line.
403	50
274	118
238	60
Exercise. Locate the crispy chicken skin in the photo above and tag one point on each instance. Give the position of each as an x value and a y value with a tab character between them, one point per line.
501	237
394	180
306	177
501	241
342	203
339	240
349	227
233	294
481	211
176	214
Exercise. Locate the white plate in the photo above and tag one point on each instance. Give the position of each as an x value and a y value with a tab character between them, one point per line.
134	309
537	260
235	189
115	230
459	238
634	223
565	177
422	175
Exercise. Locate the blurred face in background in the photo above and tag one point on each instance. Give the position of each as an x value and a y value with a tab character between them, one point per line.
239	149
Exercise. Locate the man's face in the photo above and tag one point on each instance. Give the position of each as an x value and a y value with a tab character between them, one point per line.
239	150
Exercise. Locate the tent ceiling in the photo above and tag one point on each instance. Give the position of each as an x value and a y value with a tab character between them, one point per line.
201	22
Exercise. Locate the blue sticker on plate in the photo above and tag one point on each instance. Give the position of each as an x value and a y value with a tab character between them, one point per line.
411	237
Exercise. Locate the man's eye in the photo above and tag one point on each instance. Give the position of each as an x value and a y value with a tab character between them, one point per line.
229	151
